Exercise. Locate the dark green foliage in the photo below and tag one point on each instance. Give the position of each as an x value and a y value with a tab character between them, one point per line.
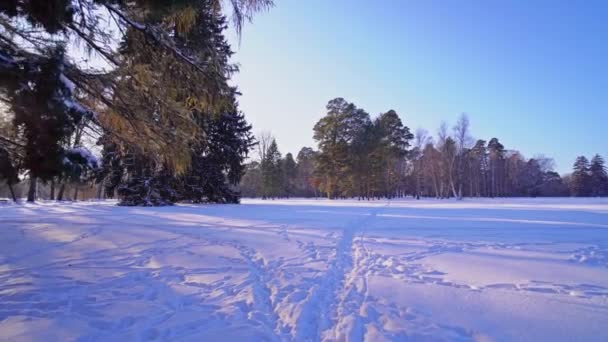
156	97
222	137
305	181
358	157
216	168
553	186
111	172
78	165
289	168
217	161
251	183
272	173
581	180
336	134
44	109
368	159
147	184
598	178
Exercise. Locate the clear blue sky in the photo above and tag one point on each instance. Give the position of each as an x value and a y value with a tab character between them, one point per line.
532	73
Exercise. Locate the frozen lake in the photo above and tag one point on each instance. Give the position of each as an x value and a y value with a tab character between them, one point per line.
306	270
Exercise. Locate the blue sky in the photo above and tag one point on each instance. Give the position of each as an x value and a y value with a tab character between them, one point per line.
532	73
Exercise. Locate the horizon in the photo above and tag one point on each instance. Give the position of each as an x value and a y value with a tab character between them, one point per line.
501	64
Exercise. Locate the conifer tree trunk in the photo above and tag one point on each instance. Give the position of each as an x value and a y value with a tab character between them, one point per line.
52	190
10	188
31	194
100	189
61	191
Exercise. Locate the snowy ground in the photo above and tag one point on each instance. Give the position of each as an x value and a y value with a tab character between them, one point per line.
306	270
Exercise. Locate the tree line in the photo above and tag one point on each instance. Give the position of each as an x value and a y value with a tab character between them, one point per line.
365	158
148	90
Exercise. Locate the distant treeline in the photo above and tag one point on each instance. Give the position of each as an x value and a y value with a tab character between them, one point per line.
364	158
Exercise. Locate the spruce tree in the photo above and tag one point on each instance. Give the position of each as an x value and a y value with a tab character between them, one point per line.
289	168
598	176
165	65
305	172
272	173
217	160
251	182
581	180
553	185
42	101
496	162
210	166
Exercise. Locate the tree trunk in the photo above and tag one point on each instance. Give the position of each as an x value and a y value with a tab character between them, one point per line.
31	194
61	191
10	187
52	190
75	193
100	188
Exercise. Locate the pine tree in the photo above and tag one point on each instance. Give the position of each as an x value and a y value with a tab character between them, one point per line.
289	169
335	134
392	147
532	179
165	66
251	183
147	183
272	173
217	160
8	172
42	101
496	167
209	168
171	64
581	180
305	172
598	176
479	168
553	185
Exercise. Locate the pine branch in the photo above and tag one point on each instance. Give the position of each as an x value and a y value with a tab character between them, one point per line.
93	45
151	34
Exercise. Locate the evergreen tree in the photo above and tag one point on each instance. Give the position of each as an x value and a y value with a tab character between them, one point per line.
272	173
335	134
8	171
171	65
392	146
217	160
218	136
289	169
532	179
479	168
44	110
305	172
110	174
553	185
165	66
251	183
598	176
496	166
581	180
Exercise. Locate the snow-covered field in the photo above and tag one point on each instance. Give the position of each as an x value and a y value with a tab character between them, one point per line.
306	270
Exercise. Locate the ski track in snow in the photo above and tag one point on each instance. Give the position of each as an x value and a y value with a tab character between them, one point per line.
306	270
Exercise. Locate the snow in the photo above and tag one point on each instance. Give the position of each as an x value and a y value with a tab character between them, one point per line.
87	155
67	82
306	270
